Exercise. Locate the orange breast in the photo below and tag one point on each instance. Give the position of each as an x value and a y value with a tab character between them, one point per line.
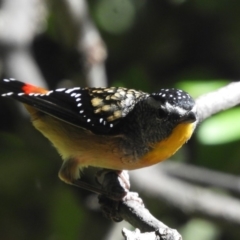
169	146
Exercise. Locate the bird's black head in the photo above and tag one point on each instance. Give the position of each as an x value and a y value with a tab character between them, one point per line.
174	104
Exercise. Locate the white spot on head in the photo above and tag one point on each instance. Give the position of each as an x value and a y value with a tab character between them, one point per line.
111	125
12	79
77	95
104	123
21	93
89	120
82	111
73	94
78	99
79	104
164	95
6	80
101	120
170	95
179	97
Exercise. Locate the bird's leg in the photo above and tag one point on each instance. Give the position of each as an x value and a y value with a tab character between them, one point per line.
116	182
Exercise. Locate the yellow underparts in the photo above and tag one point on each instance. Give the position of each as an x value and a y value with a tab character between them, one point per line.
80	148
166	148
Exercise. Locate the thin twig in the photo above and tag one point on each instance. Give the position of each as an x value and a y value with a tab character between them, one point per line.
202	176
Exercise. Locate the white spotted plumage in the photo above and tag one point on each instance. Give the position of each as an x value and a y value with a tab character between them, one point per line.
93	108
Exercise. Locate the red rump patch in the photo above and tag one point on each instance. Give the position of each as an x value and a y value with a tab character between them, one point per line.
28	88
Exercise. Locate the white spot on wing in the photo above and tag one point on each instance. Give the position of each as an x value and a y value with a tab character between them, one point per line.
60	89
69	90
49	92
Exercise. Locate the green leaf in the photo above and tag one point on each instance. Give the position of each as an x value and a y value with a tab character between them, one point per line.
199	229
220	129
198	87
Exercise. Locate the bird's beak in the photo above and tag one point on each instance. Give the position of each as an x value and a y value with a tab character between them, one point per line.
189	117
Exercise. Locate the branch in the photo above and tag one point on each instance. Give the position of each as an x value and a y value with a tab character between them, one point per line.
19	27
89	43
202	176
217	101
188	198
132	210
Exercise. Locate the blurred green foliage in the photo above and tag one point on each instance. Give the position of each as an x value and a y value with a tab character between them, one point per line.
189	44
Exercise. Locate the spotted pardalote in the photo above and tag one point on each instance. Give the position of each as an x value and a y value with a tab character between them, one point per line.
113	128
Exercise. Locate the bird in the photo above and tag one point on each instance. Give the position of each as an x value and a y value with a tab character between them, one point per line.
112	128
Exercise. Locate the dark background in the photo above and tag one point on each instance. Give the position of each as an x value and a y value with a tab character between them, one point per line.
191	44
